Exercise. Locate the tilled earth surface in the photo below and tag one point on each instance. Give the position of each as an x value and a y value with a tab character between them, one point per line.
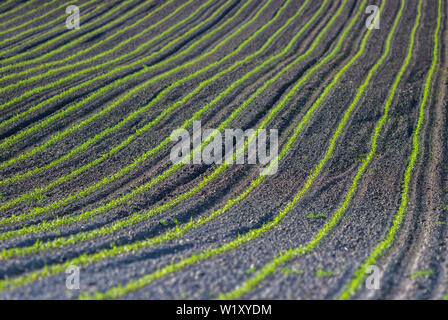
356	210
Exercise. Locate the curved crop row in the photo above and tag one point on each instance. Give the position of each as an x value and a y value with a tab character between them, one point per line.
142	216
144	69
85	259
139	217
134	114
143	109
53	84
255	233
50	66
6	68
39	36
151	152
385	244
8	11
271	266
23	25
17	17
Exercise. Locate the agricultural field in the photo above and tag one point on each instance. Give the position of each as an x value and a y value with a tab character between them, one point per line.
92	206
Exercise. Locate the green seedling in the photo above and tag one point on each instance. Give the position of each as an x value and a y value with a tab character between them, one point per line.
311	215
287	270
387	241
360	156
251	270
422	273
322	273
